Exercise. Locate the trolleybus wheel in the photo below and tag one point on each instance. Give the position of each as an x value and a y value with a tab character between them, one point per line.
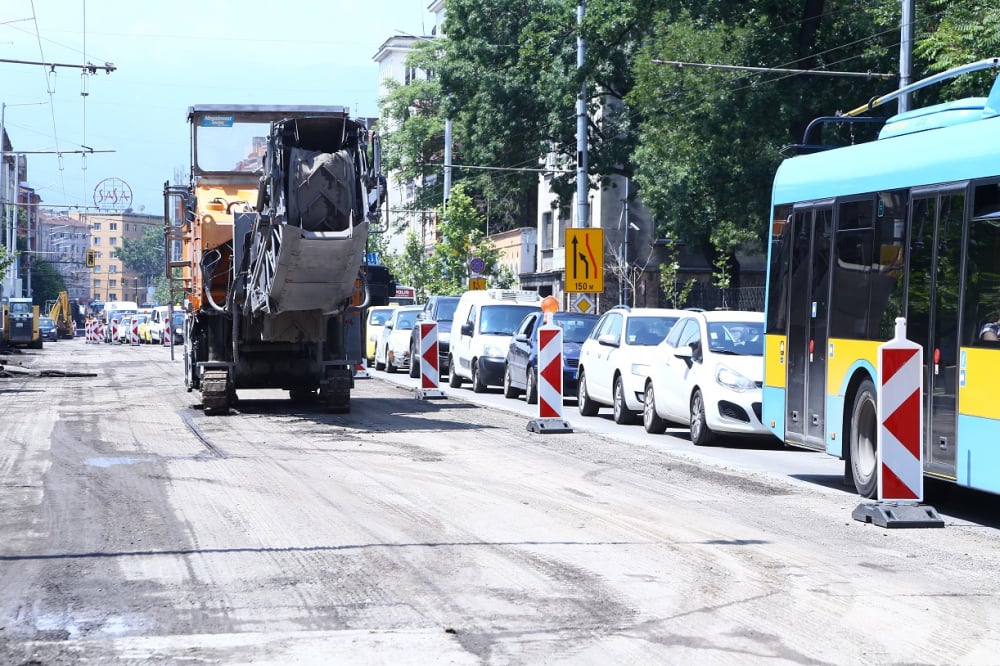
864	432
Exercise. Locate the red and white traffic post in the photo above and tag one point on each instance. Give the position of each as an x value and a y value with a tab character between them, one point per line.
430	373
900	444
550	374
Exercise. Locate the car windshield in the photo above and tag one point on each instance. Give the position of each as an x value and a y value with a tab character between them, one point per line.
446	310
735	337
647	331
45	321
575	330
406	320
503	319
380	316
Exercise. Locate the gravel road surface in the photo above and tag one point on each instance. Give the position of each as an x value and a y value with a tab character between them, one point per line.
135	529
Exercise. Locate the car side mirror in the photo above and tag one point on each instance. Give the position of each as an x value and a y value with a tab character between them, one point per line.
388	325
607	340
521	337
684	352
467	328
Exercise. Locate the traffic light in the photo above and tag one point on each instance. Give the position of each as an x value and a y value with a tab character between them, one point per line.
91	258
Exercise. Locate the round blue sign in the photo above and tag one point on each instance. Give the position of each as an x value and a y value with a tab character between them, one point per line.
477	265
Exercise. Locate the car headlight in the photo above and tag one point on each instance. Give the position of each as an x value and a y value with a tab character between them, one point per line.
733	380
494	351
640	369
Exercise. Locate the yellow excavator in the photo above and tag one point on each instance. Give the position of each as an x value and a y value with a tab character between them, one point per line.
59	311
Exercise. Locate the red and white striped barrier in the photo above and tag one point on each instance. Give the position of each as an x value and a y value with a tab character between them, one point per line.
133	334
900	446
430	374
550	382
88	332
114	331
361	372
166	335
900	418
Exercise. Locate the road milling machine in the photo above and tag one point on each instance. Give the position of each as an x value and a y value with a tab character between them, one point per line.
273	230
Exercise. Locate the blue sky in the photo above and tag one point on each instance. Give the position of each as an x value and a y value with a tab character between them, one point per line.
170	55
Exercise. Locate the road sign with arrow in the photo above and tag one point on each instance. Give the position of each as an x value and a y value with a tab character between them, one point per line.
584	261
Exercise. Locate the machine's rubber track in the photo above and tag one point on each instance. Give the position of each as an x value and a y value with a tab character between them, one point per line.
216	392
335	393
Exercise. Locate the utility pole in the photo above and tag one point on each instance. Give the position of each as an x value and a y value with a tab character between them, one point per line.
905	53
582	185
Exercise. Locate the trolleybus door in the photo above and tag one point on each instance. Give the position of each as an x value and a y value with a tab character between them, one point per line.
809	290
932	314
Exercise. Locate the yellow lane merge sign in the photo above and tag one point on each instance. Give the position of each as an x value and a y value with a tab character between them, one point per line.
585	261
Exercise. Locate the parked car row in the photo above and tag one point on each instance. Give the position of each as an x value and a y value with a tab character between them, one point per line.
661	367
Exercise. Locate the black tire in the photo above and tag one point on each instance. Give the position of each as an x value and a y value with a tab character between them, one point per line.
477	385
651	421
863	443
531	394
323	195
586	406
414	365
454	381
701	434
508	389
622	414
379	366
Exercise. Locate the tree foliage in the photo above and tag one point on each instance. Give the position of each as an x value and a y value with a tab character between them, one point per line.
46	282
145	255
461	239
701	145
709	140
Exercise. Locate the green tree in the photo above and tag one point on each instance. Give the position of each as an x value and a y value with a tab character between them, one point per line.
6	261
462	238
145	255
950	34
709	140
46	282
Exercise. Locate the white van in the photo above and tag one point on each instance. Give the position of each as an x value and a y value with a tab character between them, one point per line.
485	321
157	318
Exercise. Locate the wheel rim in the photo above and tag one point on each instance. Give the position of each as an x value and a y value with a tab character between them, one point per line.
864	454
648	409
696	421
619	398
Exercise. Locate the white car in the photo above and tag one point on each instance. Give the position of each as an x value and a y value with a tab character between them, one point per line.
613	357
708	374
392	351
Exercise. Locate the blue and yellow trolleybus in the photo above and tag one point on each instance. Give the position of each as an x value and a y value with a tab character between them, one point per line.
906	225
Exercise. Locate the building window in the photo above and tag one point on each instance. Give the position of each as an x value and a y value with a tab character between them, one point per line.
113	240
97	226
97	284
547	230
113	226
97	240
97	269
112	284
112	269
